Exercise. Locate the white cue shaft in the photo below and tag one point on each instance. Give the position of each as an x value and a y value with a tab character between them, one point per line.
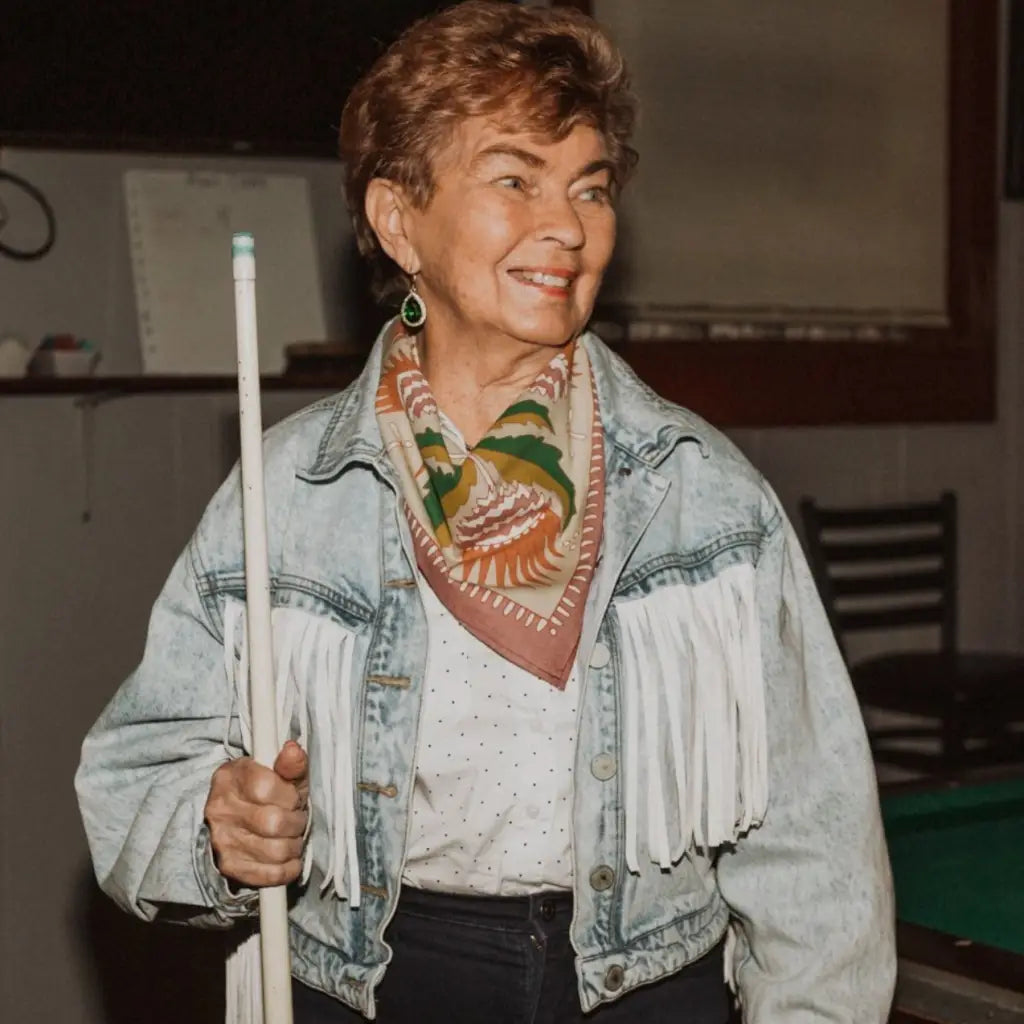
277	985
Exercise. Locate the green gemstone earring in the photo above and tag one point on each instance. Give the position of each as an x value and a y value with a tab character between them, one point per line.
414	310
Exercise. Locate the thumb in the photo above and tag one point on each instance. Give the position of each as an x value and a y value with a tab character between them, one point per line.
292	763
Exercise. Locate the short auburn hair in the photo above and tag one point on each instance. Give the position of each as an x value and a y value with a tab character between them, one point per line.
543	70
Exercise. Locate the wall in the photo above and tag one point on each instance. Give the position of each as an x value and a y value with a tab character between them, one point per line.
77	594
85	284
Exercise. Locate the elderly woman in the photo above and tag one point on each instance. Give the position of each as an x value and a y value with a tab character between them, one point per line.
570	733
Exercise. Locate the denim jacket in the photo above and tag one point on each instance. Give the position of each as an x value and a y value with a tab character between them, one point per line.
722	781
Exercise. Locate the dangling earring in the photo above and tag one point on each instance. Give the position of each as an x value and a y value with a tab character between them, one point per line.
414	310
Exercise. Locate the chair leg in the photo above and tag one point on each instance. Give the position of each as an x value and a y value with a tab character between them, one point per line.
953	752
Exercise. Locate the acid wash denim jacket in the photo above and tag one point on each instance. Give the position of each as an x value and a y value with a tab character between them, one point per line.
723	783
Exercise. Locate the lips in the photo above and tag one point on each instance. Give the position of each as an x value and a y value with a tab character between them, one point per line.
546	277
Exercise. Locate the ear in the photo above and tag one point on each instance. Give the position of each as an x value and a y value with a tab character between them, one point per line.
388	211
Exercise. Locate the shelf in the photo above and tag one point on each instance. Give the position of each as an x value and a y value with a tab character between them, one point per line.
138	385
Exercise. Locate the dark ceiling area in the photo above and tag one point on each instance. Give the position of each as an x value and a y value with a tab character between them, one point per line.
262	77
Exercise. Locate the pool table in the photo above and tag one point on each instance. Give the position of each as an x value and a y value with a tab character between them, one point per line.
957	851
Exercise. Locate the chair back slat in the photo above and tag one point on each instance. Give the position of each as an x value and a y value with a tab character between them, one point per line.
895	568
883	515
885	585
890	618
882	550
885	567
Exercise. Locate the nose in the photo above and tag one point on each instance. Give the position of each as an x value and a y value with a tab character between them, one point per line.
559	221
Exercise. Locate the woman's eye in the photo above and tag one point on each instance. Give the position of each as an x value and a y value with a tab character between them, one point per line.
595	194
512	181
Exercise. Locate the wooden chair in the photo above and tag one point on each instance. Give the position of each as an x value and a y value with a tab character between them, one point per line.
895	566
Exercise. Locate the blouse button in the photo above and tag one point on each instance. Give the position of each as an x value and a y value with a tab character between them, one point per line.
613	978
602	877
600	656
603	767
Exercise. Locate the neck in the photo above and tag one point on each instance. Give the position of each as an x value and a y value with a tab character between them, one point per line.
474	380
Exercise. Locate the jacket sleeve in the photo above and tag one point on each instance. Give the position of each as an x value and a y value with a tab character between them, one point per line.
147	763
810	889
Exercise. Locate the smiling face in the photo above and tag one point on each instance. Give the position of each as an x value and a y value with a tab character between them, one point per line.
515	239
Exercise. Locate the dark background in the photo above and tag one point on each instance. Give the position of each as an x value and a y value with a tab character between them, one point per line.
264	76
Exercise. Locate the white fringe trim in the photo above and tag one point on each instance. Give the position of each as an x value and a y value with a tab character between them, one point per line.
694	717
244	983
313	662
729	965
313	678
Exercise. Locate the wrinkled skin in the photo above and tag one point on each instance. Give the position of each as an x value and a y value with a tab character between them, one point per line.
257	818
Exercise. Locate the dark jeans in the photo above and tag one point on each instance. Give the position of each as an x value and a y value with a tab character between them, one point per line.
484	960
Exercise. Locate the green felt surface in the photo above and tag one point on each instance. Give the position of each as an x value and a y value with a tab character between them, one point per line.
958	860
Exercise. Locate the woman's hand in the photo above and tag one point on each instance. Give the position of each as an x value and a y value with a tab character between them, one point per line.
257	818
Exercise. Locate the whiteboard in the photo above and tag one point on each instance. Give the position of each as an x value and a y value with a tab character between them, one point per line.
180	225
793	158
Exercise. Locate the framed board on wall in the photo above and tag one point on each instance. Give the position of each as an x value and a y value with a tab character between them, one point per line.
809	362
1014	170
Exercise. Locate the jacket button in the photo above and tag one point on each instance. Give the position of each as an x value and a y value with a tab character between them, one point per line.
602	877
603	767
600	656
613	978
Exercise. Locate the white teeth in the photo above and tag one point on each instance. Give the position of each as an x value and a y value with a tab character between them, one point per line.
546	279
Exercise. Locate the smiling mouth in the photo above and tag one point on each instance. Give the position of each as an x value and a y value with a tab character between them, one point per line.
551	281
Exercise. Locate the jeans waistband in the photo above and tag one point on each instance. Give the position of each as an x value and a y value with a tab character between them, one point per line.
477	907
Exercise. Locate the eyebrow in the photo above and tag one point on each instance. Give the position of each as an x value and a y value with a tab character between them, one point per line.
528	158
597	165
533	160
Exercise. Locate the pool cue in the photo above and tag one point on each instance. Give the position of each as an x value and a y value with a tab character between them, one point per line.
274	952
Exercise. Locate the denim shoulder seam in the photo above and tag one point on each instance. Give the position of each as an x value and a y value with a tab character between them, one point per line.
199	573
769	529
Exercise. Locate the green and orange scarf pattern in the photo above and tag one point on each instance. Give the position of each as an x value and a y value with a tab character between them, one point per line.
506	532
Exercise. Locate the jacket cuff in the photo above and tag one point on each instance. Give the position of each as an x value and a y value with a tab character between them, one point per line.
228	901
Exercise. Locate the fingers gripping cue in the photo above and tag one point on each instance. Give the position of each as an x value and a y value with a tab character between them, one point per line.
276	962
257	818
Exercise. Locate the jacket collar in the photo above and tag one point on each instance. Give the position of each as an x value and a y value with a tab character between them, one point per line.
352	435
635	419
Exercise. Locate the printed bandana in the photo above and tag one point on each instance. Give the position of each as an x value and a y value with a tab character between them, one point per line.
506	532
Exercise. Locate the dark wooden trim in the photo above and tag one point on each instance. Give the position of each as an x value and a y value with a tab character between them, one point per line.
761	383
264	149
899	1016
999	967
974	42
1013	170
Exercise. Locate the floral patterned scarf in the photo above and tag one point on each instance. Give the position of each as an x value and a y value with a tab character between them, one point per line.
506	532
